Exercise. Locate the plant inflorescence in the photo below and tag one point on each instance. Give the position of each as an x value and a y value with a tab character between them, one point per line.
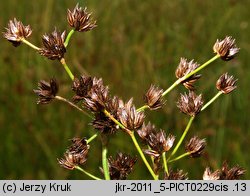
110	114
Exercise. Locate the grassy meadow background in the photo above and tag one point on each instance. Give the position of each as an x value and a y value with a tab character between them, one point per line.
136	43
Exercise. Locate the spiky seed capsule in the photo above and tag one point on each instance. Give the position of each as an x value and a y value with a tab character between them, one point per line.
53	45
75	155
129	117
183	69
233	173
190	103
195	146
226	48
121	166
81	87
46	91
226	83
153	97
178	175
80	19
209	175
16	31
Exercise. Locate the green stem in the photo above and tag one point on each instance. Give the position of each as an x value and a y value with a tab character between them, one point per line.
68	37
30	44
165	162
176	83
116	121
200	67
131	134
73	105
142	155
92	138
105	162
63	62
211	101
87	173
142	108
151	157
179	157
182	137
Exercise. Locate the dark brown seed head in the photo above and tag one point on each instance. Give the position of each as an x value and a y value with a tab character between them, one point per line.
145	131
98	96
114	105
209	175
226	48
185	68
100	93
153	97
129	117
80	19
233	173
104	124
167	145
16	31
53	45
75	155
226	84
178	175
121	166
81	87
190	104
46	91
159	143
195	146
78	144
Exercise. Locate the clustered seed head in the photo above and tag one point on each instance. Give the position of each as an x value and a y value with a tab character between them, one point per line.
97	100
46	91
97	97
178	175
209	175
226	83
16	31
190	104
53	45
145	131
185	68
233	173
157	140
195	146
129	117
114	105
75	155
153	97
80	19
81	87
225	173
226	48
121	166
104	124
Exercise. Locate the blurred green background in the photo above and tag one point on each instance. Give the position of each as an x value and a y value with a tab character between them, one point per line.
136	43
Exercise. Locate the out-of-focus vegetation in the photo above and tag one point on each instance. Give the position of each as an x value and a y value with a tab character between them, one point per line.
135	44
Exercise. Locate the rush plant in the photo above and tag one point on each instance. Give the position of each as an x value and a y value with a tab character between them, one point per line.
109	114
